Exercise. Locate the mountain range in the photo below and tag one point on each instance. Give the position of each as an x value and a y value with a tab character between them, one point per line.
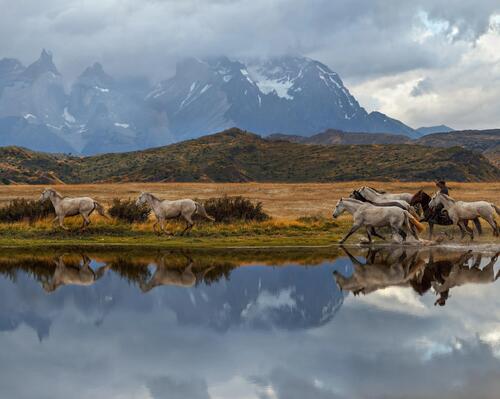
100	113
238	156
485	142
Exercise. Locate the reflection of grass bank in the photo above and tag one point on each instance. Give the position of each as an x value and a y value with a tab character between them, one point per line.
131	263
308	231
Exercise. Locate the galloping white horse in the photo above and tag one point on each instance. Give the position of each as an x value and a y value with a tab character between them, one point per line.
381	196
368	216
460	211
66	206
165	209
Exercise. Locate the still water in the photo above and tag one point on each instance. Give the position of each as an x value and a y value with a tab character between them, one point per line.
379	323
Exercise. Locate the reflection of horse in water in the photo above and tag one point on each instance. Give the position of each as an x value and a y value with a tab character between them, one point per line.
460	274
399	269
71	274
382	269
165	275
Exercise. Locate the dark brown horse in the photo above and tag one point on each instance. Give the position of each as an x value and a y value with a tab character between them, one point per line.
436	215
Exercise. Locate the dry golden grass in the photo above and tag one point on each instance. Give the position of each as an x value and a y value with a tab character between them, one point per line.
281	201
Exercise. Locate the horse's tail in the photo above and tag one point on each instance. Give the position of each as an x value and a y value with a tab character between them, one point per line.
497	209
200	210
100	209
411	219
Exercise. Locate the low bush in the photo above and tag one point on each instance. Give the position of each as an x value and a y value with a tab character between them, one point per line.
127	211
231	209
22	209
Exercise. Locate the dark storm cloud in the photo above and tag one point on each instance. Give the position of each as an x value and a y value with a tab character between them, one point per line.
356	37
363	40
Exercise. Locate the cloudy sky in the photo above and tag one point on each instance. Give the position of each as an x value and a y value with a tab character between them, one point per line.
422	61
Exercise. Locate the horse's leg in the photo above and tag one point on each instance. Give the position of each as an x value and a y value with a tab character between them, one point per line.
479	228
467	229
368	235
462	230
491	221
162	227
431	228
189	224
86	220
376	234
350	233
61	223
155	225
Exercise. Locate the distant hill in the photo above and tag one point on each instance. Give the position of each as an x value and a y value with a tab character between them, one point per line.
335	137
486	142
434	129
238	156
477	140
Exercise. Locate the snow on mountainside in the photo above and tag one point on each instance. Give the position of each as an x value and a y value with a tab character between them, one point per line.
295	95
289	94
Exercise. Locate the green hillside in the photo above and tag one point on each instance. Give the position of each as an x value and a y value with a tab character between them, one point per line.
237	156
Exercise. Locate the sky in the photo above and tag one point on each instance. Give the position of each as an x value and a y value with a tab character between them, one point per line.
424	62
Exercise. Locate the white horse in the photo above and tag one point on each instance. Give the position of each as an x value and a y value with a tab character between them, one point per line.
165	209
460	211
67	206
369	216
374	195
165	275
81	275
380	271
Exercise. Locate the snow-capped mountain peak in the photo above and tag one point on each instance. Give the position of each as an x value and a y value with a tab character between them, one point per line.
289	94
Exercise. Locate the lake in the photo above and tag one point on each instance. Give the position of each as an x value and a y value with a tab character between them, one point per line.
289	323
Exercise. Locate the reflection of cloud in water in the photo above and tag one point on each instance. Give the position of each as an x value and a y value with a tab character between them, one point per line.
395	299
267	303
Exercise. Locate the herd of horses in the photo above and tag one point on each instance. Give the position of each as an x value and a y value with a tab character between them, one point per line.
370	208
404	213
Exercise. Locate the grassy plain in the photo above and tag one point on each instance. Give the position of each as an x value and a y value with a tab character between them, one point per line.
301	214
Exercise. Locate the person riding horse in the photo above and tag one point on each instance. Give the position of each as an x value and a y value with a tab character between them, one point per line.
438	214
441	185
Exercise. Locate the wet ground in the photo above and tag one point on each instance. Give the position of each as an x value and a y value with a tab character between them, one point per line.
333	323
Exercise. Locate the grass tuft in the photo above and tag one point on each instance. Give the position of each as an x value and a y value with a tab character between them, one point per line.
128	211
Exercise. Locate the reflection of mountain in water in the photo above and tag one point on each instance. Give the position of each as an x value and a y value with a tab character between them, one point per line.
219	293
217	296
285	297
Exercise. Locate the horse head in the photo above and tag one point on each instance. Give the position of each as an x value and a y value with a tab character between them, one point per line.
141	199
46	194
339	208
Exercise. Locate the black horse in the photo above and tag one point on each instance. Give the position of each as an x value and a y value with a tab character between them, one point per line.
436	215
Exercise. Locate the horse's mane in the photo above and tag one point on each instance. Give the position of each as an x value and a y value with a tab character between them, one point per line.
447	197
56	193
352	200
151	196
377	191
